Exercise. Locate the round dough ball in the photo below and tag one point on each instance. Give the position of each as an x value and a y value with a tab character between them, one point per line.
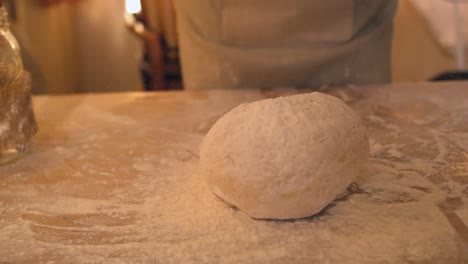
284	158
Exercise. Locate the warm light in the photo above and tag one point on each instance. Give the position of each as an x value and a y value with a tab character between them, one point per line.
133	6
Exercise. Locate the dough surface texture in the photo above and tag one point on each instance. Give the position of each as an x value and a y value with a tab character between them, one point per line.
284	158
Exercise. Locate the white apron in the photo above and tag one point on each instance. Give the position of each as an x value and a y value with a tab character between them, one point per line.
284	43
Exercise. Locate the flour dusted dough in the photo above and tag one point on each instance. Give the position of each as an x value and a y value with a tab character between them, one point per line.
284	158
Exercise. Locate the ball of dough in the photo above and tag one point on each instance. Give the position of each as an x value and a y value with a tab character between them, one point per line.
284	158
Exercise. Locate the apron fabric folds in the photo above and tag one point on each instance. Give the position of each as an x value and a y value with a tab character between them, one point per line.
278	43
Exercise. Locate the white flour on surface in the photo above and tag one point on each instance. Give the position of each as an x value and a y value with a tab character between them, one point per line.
94	189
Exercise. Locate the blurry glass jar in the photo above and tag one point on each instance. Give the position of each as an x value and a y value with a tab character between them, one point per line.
17	122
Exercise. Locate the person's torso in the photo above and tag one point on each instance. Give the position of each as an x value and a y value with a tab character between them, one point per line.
280	23
277	43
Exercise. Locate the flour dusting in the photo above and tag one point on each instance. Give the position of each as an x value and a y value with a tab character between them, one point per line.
105	182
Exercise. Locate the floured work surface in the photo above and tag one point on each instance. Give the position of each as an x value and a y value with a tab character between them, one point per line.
114	178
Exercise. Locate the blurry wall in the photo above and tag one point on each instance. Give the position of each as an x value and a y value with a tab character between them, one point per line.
416	54
109	53
48	45
81	47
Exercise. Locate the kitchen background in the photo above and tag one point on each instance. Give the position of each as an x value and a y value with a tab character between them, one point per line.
74	46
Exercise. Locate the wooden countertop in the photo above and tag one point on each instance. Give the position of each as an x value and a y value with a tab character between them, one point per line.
113	178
